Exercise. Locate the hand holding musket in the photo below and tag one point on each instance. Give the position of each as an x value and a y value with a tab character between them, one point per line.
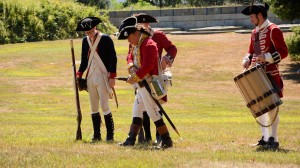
79	115
123	78
81	83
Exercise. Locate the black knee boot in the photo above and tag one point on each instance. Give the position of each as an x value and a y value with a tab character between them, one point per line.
96	118
145	132
134	129
158	137
166	141
146	125
141	135
109	123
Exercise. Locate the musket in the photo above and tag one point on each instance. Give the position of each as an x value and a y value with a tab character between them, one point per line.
121	78
160	107
79	115
156	102
251	4
115	95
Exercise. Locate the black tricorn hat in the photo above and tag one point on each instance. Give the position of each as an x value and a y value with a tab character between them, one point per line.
145	18
127	27
88	23
255	9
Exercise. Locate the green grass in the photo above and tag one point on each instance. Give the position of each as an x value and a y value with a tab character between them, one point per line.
38	113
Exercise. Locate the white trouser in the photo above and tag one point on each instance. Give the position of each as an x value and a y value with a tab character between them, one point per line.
98	92
144	102
265	119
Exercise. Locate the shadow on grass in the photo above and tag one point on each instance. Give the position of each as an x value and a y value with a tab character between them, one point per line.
137	146
291	72
281	150
146	146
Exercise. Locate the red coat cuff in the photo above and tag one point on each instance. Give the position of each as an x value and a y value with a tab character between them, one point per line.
112	75
79	74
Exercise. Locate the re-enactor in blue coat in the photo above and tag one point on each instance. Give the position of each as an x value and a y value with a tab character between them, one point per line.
99	60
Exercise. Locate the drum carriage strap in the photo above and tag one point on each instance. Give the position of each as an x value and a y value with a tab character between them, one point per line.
272	120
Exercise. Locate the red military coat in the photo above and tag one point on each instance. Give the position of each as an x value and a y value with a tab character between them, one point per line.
164	43
148	64
271	42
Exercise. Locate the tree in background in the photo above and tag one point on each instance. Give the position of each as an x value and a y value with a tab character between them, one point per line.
285	9
101	4
289	10
115	5
48	20
196	3
132	2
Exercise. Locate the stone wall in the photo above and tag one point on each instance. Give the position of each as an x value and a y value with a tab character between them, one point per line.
195	17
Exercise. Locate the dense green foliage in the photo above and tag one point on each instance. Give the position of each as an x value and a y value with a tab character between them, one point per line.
49	20
102	4
293	43
192	3
286	9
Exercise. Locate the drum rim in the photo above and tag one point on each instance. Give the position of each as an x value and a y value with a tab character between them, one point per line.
267	109
257	67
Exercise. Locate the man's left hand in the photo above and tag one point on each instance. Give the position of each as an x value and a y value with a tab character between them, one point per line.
261	58
130	80
111	82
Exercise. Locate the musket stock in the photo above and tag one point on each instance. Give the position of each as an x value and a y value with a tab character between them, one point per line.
121	78
79	115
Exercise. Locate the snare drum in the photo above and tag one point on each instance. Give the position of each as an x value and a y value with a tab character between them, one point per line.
257	91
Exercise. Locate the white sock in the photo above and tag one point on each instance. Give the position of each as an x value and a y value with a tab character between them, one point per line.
274	126
263	119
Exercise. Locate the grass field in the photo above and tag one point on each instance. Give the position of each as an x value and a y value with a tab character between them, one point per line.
38	112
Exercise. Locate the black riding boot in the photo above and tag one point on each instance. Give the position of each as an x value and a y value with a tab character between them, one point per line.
166	141
145	132
158	137
96	118
146	125
141	135
109	123
134	129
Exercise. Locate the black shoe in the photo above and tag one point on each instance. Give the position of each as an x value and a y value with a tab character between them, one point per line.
157	142
166	142
128	142
271	144
96	139
261	142
164	145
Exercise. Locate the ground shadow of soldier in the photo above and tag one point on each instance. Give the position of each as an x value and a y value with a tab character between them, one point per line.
282	150
292	72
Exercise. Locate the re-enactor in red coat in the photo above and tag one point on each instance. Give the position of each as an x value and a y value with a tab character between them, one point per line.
143	63
147	60
166	61
267	47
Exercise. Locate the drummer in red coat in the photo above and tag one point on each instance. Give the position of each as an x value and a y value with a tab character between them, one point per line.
267	47
166	61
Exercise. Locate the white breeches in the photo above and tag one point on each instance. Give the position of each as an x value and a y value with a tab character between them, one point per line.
98	92
144	102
